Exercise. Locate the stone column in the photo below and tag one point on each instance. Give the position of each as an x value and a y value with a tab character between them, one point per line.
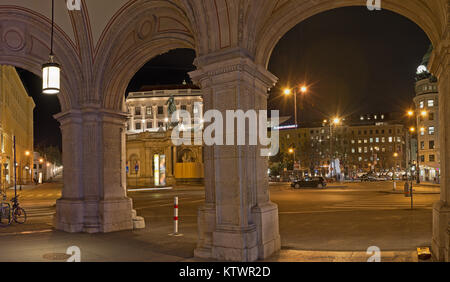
94	194
440	66
237	222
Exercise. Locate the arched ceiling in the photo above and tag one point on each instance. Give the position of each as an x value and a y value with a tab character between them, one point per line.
100	13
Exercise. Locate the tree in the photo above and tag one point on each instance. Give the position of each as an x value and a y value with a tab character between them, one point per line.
51	153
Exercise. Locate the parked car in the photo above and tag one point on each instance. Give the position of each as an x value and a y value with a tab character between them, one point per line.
317	182
368	178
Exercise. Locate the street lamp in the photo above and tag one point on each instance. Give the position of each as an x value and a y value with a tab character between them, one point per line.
412	131
51	71
287	91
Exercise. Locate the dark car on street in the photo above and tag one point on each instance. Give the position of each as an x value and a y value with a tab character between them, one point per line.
368	178
316	182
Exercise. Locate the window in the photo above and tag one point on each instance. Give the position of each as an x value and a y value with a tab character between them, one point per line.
390	139
160	110
183	107
365	150
422	145
149	125
399	139
359	150
160	124
432	159
377	140
353	150
365	141
431	130
371	140
137	111
431	116
431	145
383	139
430	103
422	158
421	104
148	111
137	125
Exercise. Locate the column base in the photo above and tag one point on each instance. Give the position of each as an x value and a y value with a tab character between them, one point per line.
90	216
206	225
441	229
235	244
266	220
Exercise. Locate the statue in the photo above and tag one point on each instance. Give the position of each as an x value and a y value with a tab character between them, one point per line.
172	108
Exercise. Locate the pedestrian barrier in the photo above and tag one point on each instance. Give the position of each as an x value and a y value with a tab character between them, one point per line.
175	219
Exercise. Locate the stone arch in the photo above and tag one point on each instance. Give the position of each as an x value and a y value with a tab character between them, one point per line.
24	43
286	14
145	29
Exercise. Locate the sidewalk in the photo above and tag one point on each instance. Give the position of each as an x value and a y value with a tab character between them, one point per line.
141	247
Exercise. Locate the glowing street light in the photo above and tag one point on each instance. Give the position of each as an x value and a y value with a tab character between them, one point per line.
424	113
51	71
287	91
412	129
27	153
410	113
395	155
336	121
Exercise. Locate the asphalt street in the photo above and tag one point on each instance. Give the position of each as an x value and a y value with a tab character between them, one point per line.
341	217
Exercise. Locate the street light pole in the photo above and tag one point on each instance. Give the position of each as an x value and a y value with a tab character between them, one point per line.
15	169
295	106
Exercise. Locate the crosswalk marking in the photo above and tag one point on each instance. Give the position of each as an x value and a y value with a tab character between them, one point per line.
39	212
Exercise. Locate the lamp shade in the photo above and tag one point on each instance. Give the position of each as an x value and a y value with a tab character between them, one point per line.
51	75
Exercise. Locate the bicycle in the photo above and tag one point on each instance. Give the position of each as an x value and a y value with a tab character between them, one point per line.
5	213
18	213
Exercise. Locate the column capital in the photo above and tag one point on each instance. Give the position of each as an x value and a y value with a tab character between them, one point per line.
230	65
91	113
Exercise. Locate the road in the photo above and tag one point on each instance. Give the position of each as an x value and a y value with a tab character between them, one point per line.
348	217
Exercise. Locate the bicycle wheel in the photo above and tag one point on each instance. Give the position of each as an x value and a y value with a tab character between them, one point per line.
19	215
5	216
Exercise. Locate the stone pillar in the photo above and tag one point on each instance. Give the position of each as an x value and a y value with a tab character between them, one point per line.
440	66
237	222
94	193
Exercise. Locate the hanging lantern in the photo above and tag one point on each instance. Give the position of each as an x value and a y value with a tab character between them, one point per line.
51	77
51	71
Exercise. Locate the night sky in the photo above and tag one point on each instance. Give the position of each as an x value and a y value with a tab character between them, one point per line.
353	60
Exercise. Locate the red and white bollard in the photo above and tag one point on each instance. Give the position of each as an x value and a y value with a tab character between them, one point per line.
175	219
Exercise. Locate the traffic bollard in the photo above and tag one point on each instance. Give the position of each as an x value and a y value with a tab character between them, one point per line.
175	219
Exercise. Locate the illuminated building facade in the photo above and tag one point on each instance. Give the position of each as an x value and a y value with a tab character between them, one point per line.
152	158
16	120
427	112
